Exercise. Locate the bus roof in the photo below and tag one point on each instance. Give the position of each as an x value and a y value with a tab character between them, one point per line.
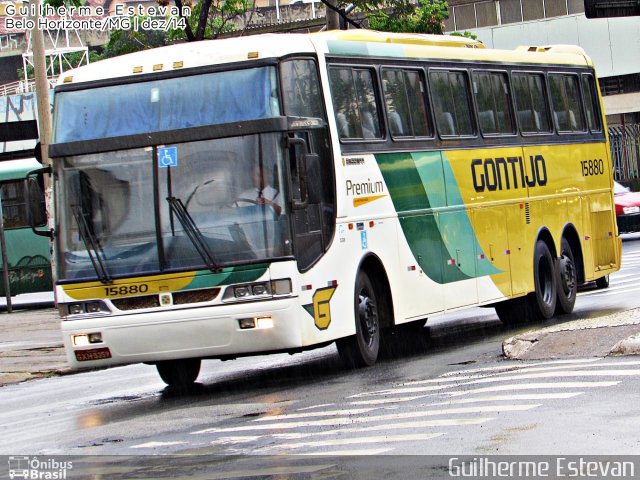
17	169
363	43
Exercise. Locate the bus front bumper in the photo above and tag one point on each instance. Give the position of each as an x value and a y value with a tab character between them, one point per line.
210	332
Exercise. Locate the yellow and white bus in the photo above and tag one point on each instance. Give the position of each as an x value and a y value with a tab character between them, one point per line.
281	192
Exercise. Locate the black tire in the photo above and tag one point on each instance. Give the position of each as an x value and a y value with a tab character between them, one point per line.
603	282
361	349
539	305
545	277
567	281
179	373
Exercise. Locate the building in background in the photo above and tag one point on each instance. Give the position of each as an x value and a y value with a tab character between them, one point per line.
612	43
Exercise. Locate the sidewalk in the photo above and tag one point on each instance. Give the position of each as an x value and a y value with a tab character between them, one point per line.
31	343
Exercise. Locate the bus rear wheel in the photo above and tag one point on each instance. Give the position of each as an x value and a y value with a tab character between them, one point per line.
179	373
567	279
361	349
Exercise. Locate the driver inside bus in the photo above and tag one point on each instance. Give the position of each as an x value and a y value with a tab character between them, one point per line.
262	192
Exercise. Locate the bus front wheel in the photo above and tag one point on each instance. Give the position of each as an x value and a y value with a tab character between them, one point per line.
361	349
179	373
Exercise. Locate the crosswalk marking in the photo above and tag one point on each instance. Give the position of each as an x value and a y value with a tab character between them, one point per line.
444	422
370	419
495	398
534	386
157	444
420	410
516	377
500	374
357	441
307	414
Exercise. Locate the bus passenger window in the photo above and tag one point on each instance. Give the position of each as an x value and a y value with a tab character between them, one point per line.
566	104
531	102
301	88
354	102
590	95
451	102
493	98
404	95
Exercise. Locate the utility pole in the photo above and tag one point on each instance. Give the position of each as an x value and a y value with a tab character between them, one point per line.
333	18
44	117
42	92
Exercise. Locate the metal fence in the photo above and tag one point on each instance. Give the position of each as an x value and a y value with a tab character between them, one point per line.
625	151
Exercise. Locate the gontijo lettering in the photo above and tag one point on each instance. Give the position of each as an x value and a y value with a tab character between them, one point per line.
507	173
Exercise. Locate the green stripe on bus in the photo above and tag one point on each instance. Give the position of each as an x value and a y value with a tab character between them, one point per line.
439	241
361	49
231	275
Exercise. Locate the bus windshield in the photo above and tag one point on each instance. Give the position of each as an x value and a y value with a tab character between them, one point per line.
208	204
165	105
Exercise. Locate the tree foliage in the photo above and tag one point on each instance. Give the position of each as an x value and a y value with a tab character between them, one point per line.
427	17
122	42
210	18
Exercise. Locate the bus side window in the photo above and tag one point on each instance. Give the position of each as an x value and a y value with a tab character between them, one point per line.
354	102
566	102
452	102
589	96
301	88
531	102
493	97
404	95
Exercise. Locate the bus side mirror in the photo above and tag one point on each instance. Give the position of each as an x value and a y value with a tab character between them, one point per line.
34	198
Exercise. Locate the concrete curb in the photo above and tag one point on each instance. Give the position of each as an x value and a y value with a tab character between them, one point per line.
598	336
628	346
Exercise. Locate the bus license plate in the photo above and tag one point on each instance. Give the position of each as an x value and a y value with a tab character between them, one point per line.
93	354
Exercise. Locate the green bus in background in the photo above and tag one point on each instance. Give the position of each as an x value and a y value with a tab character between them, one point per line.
22	203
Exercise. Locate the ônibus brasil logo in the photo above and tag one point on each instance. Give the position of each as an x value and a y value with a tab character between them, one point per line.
38	469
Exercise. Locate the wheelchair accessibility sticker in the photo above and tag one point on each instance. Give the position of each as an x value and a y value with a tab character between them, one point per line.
167	157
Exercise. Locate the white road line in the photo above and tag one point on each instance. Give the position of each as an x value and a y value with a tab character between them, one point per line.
346	453
495	398
515	377
533	386
384	401
611	290
519	369
376	418
157	444
324	413
356	441
313	407
237	439
510	398
267	472
511	366
449	422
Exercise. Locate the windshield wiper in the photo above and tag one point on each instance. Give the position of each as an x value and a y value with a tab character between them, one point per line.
197	239
92	244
